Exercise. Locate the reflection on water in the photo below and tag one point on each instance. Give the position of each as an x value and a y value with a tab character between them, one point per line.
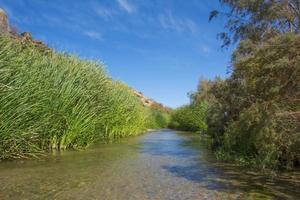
158	165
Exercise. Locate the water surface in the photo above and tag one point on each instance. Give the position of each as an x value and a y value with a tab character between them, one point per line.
158	165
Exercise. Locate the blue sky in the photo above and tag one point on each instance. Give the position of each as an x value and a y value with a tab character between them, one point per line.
159	47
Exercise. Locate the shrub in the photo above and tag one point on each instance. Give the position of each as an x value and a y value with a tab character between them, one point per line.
189	117
255	115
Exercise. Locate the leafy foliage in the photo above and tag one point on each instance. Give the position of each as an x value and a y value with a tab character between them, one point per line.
253	116
157	118
189	117
258	20
254	113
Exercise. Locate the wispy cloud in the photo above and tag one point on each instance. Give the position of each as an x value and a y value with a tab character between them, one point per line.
168	21
125	5
103	12
191	25
93	35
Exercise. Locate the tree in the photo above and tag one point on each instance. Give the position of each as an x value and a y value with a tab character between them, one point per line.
256	110
202	93
258	20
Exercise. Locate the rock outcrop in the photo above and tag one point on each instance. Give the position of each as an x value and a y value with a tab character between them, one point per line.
26	38
150	102
4	25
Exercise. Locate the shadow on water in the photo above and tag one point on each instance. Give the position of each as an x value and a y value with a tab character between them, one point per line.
203	169
226	178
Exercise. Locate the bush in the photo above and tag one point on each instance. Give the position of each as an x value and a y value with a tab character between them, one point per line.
189	117
255	115
157	119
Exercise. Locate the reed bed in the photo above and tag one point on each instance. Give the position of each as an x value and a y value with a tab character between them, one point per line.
52	100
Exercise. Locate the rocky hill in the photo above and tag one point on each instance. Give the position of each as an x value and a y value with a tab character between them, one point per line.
150	102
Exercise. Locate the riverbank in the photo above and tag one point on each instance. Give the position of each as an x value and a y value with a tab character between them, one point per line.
51	100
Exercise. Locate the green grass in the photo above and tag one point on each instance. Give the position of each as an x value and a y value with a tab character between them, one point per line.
52	100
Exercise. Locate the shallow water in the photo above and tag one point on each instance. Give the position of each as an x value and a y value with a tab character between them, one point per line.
158	165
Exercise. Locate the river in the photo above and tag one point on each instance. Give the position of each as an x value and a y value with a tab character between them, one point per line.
159	165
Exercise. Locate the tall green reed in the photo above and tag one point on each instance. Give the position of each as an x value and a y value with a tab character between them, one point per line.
52	100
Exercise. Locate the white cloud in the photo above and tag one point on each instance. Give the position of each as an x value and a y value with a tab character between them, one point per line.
125	5
168	21
93	35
